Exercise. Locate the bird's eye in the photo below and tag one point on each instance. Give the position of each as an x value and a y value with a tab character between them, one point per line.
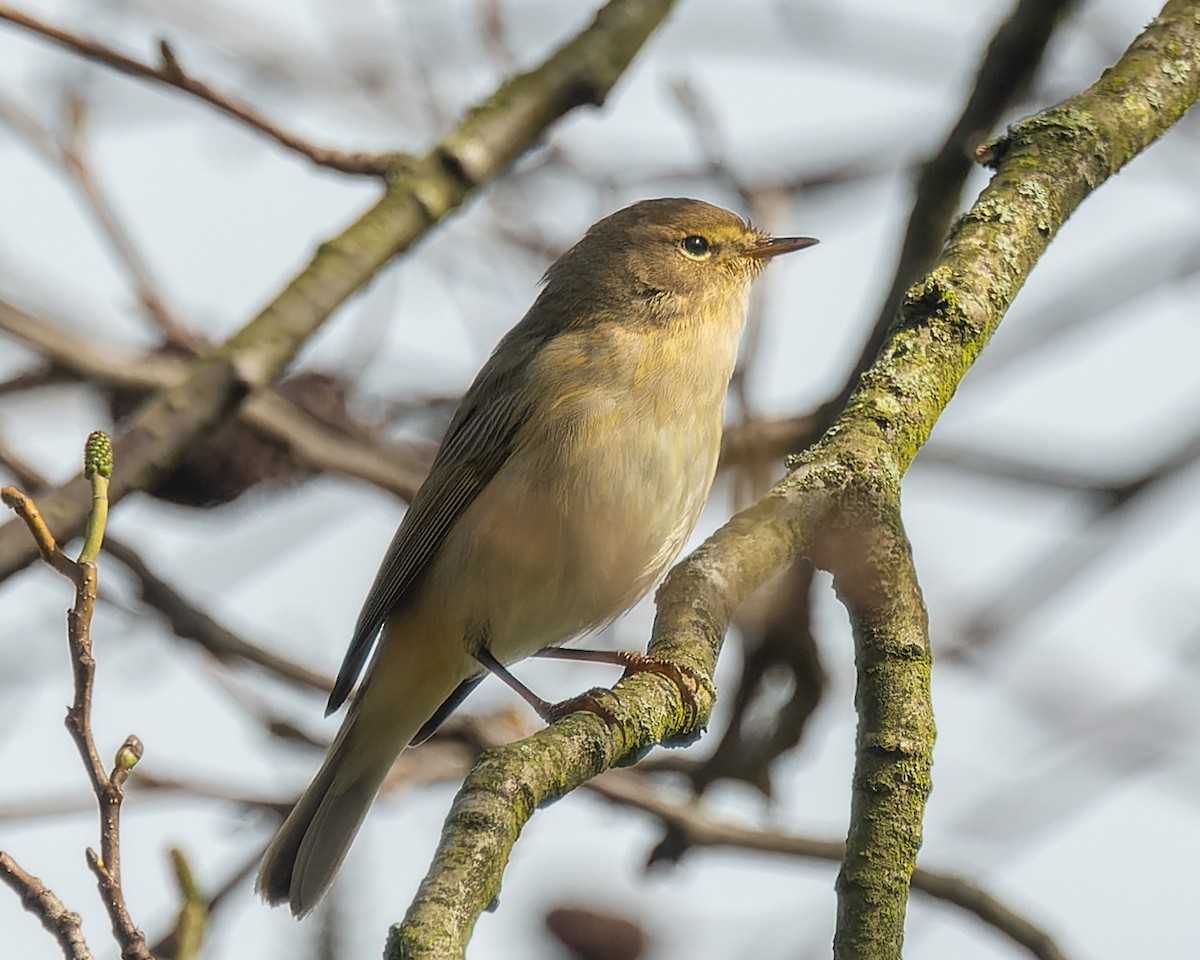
695	246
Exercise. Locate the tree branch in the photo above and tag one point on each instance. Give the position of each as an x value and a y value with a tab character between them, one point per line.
71	159
692	827
66	927
169	72
876	580
1045	168
108	787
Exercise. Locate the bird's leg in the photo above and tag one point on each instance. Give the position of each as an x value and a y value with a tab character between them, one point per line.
495	667
633	662
548	711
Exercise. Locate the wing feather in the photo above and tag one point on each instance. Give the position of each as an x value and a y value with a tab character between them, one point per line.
479	440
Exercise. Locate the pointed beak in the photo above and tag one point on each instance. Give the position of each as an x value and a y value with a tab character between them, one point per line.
777	245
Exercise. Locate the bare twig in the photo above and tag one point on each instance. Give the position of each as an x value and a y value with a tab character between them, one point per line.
169	72
70	157
192	623
107	786
692	827
47	546
67	350
396	468
75	162
43	376
65	926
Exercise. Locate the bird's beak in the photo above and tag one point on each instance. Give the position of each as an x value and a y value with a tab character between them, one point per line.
777	245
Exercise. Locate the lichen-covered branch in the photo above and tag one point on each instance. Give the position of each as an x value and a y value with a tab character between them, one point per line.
1045	168
1008	66
484	145
873	571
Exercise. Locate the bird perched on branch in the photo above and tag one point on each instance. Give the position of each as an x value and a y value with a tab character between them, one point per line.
569	478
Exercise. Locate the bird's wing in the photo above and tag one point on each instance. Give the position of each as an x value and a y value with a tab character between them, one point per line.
479	440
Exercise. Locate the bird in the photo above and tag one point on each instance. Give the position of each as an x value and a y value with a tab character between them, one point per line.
571	475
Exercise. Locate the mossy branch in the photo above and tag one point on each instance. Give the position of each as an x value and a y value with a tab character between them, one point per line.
875	578
1045	167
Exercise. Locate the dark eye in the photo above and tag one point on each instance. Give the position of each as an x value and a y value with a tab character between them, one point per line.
695	245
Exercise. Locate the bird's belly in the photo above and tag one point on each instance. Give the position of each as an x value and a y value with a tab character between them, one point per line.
534	562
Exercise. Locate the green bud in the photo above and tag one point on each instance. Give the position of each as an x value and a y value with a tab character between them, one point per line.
130	752
98	455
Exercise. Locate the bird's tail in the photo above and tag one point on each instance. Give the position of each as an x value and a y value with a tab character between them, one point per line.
304	857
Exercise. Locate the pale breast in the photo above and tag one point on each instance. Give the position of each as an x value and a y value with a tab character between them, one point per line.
595	502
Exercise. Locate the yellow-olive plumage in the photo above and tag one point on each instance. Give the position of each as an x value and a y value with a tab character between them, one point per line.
571	475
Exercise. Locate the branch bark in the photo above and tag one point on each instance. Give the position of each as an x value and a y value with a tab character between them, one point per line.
64	925
876	580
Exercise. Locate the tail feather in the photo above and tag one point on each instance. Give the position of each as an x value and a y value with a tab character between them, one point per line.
306	853
404	687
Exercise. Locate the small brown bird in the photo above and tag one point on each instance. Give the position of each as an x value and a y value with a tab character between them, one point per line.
569	478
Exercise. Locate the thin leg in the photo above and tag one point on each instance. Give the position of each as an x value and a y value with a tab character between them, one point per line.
495	667
549	712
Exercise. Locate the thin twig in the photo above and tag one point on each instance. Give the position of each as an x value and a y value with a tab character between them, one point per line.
397	468
170	72
73	159
192	623
69	157
692	827
48	547
108	787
